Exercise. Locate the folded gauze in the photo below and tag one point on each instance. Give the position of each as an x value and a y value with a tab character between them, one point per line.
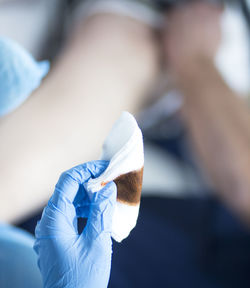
124	149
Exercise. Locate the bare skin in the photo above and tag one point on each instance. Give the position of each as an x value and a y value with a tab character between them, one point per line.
106	67
218	120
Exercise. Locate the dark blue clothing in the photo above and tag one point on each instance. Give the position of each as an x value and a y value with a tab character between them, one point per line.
181	243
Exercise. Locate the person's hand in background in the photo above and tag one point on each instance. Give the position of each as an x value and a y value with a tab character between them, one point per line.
65	258
193	32
216	118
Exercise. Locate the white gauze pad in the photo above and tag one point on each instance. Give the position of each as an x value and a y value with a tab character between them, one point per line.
124	149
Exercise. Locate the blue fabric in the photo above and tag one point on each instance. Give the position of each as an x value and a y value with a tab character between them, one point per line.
20	74
18	261
181	243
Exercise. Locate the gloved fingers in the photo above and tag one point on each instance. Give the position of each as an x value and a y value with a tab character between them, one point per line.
101	212
83	211
59	217
82	203
68	184
57	223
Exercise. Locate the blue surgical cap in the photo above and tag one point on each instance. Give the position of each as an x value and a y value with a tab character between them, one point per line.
20	74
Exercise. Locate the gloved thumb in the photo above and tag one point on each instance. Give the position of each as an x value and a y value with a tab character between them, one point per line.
101	211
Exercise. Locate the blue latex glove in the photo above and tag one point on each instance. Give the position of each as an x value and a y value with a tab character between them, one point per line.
20	74
65	258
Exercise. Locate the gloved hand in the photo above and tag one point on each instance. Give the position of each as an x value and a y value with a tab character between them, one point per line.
20	74
65	258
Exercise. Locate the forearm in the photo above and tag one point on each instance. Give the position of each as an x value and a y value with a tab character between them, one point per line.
104	69
218	122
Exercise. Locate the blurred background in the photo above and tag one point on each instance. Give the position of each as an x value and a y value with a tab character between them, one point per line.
183	68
